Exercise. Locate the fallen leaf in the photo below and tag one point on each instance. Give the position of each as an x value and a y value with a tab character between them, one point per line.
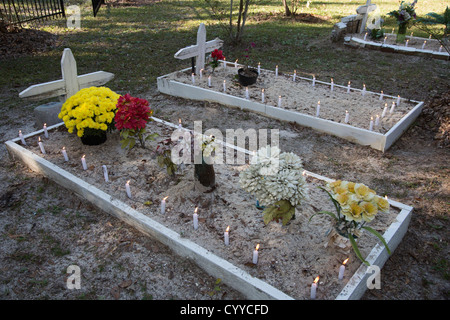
125	284
115	292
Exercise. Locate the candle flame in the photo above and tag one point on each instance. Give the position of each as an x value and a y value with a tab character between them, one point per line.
39	139
64	148
346	111
262	90
316	280
257	247
179	121
227	229
46	124
371	118
331	79
345	261
165	198
349	83
196	208
318	102
83	156
304	172
20	131
236	60
128	182
386	197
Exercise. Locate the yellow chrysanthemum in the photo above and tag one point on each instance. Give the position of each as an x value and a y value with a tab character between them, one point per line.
352	212
369	211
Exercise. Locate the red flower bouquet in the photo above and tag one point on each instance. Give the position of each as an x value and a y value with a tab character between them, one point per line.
216	55
131	120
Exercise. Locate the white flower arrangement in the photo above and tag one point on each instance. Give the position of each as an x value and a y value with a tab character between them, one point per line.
276	179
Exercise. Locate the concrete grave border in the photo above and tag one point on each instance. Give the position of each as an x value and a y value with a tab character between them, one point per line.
251	287
361	136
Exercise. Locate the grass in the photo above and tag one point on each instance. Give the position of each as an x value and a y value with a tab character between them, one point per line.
137	44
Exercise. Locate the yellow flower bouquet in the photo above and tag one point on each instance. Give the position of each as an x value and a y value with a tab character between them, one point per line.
90	112
356	204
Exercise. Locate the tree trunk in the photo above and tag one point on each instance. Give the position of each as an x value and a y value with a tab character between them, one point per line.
287	12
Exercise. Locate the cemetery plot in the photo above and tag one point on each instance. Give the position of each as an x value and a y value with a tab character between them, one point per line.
290	257
355	114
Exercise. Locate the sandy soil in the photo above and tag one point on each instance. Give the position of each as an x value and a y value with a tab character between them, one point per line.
45	228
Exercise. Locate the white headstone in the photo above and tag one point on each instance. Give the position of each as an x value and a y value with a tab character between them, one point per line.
200	49
364	11
70	84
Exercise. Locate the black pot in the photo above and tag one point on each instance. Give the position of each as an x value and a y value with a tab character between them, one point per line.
94	139
248	77
205	174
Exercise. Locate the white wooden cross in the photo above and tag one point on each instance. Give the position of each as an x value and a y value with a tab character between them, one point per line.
364	11
70	83
200	49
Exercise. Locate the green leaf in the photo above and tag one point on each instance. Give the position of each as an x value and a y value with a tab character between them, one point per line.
331	214
152	136
336	204
379	237
355	248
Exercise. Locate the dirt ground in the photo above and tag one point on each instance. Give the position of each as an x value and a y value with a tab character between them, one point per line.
45	228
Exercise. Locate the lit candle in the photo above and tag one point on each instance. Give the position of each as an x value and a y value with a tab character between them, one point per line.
279	101
365	36
406	43
235	63
226	236
314	81
429	36
346	116
384	41
348	87
276	71
411	34
332	84
163	205
127	188
314	288
440	48
398	100
195	219
45	130
21	137
381	95
392	108
83	162
259	67
66	158
179	124
318	109
105	173
209	81
377	121
363	92
371	124
262	96
246	93
193	78
224	63
393	29
423	45
295	75
224	85
255	254
342	269
41	145
201	74
383	114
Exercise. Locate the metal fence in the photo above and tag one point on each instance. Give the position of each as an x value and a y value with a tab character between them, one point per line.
16	12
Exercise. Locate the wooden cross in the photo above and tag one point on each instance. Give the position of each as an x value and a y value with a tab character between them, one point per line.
70	83
200	49
364	11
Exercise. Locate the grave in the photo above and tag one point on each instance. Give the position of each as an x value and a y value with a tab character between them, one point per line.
64	88
209	255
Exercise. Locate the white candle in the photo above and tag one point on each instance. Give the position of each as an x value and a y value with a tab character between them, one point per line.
411	34
342	269
226	236
83	162
346	116
429	37
392	108
235	63
193	78
377	121
381	95
262	96
363	92
163	205
318	109
398	100
224	85
201	74
279	101
45	130
195	219
179	124
41	145
255	254
276	71
209	81
384	41
314	288
224	63
332	84
246	93
406	43
66	158
105	173
423	45
440	48
21	138
383	114
371	124
295	75
127	188
348	87
314	81
365	36
259	67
